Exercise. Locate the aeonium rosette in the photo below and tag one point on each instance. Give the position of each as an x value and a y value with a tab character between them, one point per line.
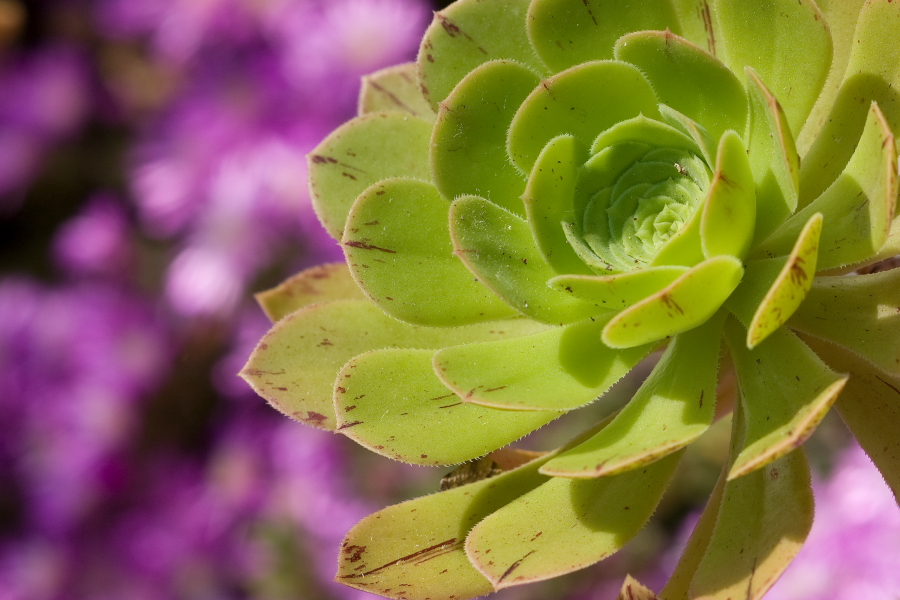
556	189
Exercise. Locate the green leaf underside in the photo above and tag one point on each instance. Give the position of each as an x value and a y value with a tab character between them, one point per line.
773	289
397	244
858	208
391	402
618	291
773	159
764	34
871	75
499	249
361	152
414	550
464	36
729	213
468	151
570	32
394	89
568	101
673	407
676	69
560	369
321	283
566	524
295	364
785	391
686	303
548	201
859	312
870	406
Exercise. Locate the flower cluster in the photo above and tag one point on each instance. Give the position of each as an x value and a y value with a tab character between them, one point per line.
557	190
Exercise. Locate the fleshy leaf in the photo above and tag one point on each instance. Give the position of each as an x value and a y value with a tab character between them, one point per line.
870	406
729	212
570	32
362	152
394	89
548	201
632	589
391	402
415	550
858	208
568	101
642	130
295	364
698	23
763	34
673	407
560	369
686	303
499	248
566	524
397	243
785	392
859	312
690	128
871	75
773	289
621	290
464	36
676	69
321	283
773	159
468	152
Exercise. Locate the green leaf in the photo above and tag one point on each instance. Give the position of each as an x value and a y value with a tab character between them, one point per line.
468	153
858	208
566	524
871	75
618	291
498	247
698	23
690	128
773	159
465	35
361	152
295	364
391	402
560	369
859	313
870	406
398	246
729	212
568	101
686	303
640	130
677	69
673	407
773	289
548	201
394	89
321	283
415	550
785	392
768	35
569	32
632	589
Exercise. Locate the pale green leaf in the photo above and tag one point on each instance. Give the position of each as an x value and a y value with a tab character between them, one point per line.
468	152
570	32
568	101
391	402
673	407
394	89
321	283
397	244
698	23
639	130
684	304
621	290
361	152
566	524
729	211
560	369
295	364
690	128
632	589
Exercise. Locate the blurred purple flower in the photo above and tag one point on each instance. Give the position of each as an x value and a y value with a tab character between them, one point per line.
97	241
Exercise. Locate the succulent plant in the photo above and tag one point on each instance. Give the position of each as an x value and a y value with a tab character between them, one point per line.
554	192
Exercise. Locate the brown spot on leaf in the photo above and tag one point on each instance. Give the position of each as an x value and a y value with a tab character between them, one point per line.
365	246
514	566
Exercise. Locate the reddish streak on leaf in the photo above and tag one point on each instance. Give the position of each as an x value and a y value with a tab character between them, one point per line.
365	246
514	566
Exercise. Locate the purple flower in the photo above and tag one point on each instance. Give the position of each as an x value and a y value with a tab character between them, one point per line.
97	241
